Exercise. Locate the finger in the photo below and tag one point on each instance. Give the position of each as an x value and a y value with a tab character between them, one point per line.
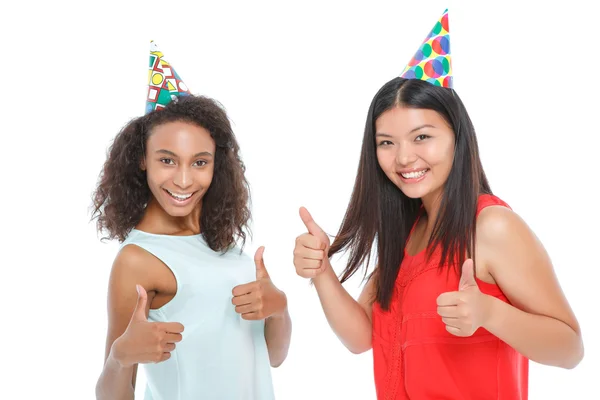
452	322
248	308
165	356
251	316
454	331
243	299
139	313
313	242
173	337
171	327
447	299
448	311
169	347
308	264
467	277
243	289
310	224
261	269
309	273
309	253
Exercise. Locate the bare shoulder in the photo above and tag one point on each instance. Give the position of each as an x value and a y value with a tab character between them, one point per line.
502	232
500	229
132	266
135	262
499	222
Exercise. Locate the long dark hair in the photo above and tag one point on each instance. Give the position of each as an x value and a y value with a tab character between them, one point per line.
379	211
122	193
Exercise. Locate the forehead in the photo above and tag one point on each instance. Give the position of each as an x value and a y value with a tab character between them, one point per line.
402	120
181	138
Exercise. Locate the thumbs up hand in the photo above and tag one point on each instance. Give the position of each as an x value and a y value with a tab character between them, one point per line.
465	310
310	252
143	341
259	299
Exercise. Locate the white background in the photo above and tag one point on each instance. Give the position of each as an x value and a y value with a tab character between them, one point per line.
297	79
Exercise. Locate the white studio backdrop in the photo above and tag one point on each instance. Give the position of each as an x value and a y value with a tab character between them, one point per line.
296	79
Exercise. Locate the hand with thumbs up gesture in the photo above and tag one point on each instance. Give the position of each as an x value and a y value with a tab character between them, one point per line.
465	310
310	252
259	299
144	341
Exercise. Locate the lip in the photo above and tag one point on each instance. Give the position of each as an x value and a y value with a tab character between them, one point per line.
179	203
407	170
412	180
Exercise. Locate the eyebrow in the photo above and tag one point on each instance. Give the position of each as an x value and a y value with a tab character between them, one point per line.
381	134
170	153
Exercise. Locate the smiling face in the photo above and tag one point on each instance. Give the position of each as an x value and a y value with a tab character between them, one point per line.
415	149
179	164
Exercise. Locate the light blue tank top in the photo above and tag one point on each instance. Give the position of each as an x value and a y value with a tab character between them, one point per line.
221	355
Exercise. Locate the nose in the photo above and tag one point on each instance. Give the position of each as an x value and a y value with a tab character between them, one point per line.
183	178
405	154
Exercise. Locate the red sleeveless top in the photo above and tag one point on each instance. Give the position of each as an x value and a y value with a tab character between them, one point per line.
416	358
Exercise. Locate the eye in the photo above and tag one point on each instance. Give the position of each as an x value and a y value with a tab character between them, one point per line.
200	163
167	161
422	137
385	143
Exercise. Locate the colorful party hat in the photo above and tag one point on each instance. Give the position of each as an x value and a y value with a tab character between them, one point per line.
432	61
164	85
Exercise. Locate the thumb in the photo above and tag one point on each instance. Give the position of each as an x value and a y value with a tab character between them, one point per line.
467	277
261	270
140	308
311	225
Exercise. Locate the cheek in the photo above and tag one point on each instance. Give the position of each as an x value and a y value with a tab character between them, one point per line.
438	156
156	175
385	160
205	177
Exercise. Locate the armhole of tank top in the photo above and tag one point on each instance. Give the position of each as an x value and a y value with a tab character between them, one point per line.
165	307
491	201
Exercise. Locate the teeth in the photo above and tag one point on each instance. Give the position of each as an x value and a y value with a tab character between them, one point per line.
180	196
412	175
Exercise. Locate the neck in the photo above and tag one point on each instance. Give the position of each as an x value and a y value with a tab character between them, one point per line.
431	203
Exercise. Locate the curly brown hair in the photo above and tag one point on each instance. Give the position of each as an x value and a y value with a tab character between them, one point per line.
122	193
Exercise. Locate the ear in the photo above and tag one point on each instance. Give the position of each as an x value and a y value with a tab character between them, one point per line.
143	164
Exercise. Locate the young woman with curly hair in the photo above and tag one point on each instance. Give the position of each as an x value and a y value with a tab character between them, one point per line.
183	299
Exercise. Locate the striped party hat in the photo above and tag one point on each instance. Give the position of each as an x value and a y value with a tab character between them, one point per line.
432	61
164	85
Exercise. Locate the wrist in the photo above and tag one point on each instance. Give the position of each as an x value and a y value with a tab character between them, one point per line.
326	274
280	314
116	355
490	311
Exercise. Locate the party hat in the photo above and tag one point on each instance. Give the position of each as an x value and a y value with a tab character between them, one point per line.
164	85
432	61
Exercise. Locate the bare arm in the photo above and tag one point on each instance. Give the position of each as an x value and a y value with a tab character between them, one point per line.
540	323
278	334
117	382
348	318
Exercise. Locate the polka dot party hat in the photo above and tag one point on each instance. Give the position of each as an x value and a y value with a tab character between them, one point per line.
432	62
164	85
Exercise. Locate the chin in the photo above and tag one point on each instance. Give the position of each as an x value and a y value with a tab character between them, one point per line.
178	212
413	194
414	191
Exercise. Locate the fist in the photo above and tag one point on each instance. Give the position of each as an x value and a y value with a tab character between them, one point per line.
310	252
465	310
143	341
259	299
